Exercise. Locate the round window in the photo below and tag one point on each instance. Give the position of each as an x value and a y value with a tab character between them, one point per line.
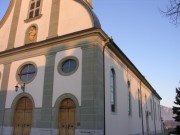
27	73
68	65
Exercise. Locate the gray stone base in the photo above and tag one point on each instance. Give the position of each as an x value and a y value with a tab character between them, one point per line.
151	133
88	132
41	131
34	131
6	131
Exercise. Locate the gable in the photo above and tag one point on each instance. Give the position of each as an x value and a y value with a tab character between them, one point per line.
52	18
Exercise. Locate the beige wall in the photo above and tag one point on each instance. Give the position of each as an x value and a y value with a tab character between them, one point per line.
73	17
34	88
121	118
114	119
42	23
4	32
71	83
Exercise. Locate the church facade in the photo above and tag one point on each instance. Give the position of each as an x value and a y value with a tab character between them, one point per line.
61	74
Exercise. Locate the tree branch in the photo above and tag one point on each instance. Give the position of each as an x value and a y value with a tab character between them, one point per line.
173	12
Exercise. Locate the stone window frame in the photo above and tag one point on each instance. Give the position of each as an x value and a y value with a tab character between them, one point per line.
27	31
34	17
59	67
20	69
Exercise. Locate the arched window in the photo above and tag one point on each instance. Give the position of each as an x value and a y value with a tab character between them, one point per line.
129	98
112	90
139	102
151	109
155	114
34	9
146	102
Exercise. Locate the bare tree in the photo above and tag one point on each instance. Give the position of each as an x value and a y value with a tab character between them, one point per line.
173	11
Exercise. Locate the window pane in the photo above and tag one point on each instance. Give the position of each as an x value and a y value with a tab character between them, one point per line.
32	6
72	65
24	70
31	14
38	4
30	76
27	73
68	66
23	78
139	103
112	97
113	108
129	102
112	90
65	67
37	12
111	80
31	68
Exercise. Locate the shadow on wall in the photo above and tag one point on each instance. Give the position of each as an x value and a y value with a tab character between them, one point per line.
136	105
38	92
42	92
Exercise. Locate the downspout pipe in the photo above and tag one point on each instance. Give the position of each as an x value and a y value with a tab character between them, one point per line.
142	110
107	42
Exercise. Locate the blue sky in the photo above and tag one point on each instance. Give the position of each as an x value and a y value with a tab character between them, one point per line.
145	36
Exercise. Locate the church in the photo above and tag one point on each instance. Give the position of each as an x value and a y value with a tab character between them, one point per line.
61	74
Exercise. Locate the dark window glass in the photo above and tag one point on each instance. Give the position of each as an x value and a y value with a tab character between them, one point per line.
24	78
32	6
30	76
113	108
139	102
31	68
112	90
27	73
129	103
155	113
37	12
31	14
38	4
69	66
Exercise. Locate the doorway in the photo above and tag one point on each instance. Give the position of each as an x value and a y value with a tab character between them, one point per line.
23	117
67	117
